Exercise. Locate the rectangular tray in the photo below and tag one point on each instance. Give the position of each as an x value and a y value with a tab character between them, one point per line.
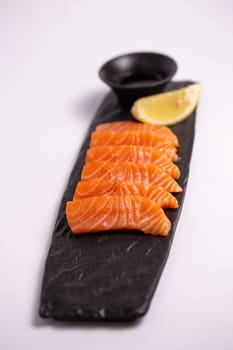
109	276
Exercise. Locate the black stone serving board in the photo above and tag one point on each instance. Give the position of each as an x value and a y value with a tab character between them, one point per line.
109	276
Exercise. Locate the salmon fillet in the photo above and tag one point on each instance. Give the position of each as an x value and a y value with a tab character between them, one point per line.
128	125
147	138
135	154
105	213
96	187
131	173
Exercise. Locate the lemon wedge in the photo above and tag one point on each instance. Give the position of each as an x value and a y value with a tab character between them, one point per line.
167	108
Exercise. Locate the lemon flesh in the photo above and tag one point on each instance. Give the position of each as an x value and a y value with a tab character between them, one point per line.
167	108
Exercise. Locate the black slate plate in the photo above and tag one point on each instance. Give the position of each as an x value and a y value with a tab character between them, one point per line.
108	276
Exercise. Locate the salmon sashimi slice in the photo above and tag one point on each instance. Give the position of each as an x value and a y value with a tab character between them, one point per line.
105	213
127	125
148	138
135	154
148	174
155	193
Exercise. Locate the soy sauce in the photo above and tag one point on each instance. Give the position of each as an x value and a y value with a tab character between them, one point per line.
139	80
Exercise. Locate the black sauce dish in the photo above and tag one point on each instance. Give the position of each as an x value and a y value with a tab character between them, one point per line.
136	75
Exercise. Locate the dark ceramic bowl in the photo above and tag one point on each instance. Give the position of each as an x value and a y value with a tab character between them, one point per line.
135	75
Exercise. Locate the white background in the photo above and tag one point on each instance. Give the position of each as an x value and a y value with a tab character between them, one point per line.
50	52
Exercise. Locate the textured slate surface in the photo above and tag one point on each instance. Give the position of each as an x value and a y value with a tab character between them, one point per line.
108	276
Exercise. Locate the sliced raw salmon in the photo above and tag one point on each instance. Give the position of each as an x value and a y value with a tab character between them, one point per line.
147	138
127	125
155	193
131	173
135	154
105	213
